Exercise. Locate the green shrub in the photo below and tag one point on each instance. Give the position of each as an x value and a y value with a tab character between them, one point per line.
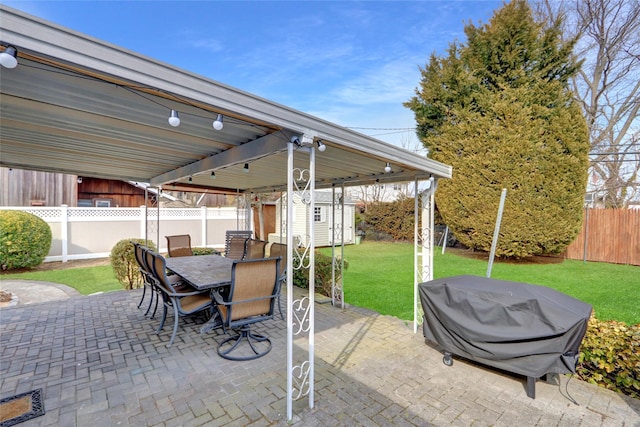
205	251
322	273
610	356
25	240
124	264
393	219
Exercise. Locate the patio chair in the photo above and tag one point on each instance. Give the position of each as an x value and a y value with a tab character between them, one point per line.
183	302
280	250
235	248
179	245
157	294
147	277
251	298
234	243
254	249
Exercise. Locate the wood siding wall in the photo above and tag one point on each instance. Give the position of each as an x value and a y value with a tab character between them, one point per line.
119	193
31	188
612	235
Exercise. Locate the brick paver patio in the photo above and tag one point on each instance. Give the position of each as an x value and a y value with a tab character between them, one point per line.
100	363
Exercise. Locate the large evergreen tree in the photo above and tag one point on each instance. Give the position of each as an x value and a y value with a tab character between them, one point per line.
499	110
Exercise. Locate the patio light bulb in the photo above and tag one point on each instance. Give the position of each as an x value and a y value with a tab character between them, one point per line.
174	119
9	58
217	124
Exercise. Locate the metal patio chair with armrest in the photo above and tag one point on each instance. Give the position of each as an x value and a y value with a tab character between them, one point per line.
140	255
181	298
254	249
238	238
156	292
280	250
235	248
179	245
251	299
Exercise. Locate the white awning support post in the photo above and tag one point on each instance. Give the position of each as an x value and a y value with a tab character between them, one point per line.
337	234
149	224
342	227
424	216
300	313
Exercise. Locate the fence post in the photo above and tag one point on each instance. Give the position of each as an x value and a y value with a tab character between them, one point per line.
203	228
586	234
143	223
64	231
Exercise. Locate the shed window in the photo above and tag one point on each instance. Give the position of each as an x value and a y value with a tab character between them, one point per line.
318	214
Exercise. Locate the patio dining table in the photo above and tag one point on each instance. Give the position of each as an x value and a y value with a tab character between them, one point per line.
204	272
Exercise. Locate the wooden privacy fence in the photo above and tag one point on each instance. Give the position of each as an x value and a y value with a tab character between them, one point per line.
608	235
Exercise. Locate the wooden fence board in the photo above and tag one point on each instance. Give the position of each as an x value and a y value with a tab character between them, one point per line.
612	235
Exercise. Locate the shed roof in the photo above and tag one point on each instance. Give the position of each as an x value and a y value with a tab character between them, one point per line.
79	105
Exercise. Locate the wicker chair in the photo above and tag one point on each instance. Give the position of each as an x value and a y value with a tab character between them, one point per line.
280	250
254	249
251	299
179	245
181	298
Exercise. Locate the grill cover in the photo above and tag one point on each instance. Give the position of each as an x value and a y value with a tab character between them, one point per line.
525	329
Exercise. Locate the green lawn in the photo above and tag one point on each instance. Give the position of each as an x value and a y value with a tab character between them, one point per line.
380	277
87	280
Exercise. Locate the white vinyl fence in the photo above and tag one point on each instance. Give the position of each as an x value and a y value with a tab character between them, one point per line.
84	233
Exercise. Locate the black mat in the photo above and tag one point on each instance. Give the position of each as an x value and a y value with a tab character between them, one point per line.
21	407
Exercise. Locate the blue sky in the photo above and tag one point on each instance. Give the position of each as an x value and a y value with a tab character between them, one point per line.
350	62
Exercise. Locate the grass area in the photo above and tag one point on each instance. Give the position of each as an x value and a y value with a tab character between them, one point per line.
380	277
86	280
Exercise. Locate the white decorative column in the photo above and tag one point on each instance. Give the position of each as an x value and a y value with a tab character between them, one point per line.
424	215
300	254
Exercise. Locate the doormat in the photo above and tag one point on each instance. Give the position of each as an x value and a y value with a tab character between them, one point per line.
21	407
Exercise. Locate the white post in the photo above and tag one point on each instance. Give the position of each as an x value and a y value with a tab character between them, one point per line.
312	274
417	274
143	220
289	281
342	250
496	232
203	229
64	231
333	245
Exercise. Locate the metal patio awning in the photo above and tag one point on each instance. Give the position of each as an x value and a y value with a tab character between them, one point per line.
78	105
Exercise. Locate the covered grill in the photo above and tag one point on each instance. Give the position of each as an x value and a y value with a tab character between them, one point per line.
517	327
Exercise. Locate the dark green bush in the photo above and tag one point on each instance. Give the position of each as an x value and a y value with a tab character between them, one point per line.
124	264
610	356
205	251
322	274
393	219
25	240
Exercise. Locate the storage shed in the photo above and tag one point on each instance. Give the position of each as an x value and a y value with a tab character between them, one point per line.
328	221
